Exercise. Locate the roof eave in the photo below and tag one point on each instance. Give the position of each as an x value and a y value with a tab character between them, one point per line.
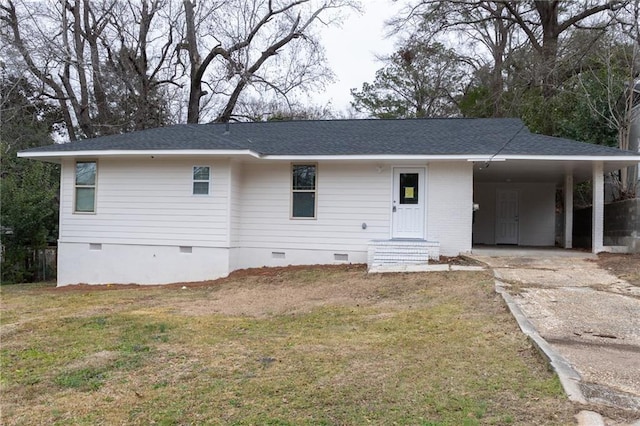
58	155
377	157
622	158
459	157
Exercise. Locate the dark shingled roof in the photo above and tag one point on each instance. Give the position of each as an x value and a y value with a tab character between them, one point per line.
445	136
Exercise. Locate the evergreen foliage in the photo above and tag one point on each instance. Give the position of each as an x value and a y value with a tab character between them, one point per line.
29	189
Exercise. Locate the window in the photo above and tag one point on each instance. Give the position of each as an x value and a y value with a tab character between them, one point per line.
201	180
86	186
409	188
303	204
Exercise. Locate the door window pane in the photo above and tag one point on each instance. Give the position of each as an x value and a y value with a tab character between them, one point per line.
409	188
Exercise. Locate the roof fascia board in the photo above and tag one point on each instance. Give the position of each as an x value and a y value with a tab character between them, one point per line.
631	158
483	158
137	153
376	157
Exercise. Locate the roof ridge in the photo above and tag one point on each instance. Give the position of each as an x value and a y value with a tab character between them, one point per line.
368	119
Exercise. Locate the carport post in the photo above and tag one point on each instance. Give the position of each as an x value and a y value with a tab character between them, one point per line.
568	211
597	216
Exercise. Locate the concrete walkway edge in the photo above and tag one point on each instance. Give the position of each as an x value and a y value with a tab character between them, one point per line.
569	377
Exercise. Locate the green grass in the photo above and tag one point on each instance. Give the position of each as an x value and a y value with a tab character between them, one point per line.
420	349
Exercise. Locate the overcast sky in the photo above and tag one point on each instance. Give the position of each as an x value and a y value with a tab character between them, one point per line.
352	49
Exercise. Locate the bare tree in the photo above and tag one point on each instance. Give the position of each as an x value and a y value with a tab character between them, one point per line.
599	102
121	65
230	45
616	74
14	33
140	61
505	28
84	54
484	38
545	22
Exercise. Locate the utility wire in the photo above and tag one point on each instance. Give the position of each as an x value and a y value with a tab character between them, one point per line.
486	165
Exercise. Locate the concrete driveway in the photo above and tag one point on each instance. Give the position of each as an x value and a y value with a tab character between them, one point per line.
585	319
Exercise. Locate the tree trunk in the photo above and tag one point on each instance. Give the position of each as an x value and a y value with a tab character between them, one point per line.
548	12
91	33
195	86
501	34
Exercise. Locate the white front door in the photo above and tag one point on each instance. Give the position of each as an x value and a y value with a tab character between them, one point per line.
506	216
407	217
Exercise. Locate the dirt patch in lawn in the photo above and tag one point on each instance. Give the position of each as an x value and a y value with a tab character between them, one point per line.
265	272
296	291
263	292
234	276
625	266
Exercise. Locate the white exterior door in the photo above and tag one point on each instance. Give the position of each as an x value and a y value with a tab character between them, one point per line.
407	217
507	217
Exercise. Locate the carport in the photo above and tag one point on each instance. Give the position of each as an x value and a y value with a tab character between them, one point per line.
516	194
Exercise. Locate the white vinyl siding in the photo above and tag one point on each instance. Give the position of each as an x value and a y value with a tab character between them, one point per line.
149	201
235	202
348	195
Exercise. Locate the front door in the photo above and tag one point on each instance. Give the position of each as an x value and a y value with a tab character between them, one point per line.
408	220
507	217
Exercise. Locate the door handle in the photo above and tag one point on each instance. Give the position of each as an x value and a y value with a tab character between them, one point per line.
394	209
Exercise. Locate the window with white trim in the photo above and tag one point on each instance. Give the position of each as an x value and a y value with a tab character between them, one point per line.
303	191
201	180
85	186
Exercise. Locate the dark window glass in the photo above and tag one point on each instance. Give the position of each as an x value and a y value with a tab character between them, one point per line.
85	199
200	173
200	188
409	188
304	204
86	186
303	185
201	176
86	173
304	177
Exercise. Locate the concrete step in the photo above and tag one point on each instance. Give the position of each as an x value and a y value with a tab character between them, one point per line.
401	252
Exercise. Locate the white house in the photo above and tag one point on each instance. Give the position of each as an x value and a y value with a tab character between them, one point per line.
195	202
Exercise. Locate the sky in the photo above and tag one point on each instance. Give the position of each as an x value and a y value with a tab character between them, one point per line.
352	49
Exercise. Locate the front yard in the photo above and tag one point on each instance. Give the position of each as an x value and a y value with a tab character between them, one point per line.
326	345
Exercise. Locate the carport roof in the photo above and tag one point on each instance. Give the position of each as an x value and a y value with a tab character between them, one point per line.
458	137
